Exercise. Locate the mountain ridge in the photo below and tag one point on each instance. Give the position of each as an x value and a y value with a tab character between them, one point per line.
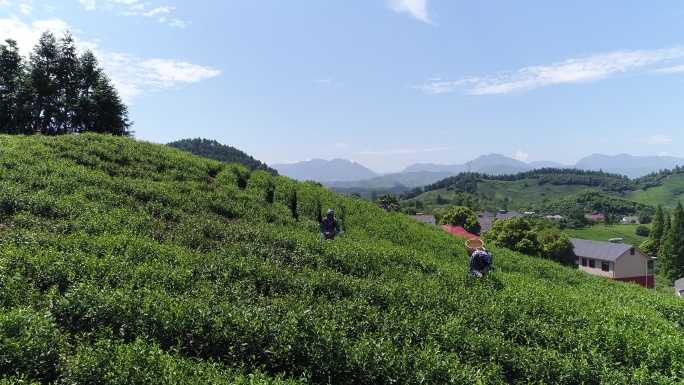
494	164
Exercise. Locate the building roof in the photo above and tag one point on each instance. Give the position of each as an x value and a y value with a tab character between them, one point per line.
460	231
630	219
485	219
425	218
679	286
503	214
604	251
595	216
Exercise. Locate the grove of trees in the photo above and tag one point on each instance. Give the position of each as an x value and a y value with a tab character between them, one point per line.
666	241
534	236
461	216
57	91
214	150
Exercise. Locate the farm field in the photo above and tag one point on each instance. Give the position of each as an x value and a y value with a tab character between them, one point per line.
131	262
603	233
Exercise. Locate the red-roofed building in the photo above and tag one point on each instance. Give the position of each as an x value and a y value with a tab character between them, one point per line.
460	231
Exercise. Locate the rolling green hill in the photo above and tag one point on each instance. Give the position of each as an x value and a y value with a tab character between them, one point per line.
603	233
521	195
128	262
671	191
528	194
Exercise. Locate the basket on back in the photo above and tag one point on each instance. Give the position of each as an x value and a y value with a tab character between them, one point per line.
473	244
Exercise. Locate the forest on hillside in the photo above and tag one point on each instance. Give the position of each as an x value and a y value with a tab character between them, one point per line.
608	182
546	190
223	153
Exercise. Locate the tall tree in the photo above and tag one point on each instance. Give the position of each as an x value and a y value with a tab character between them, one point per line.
45	85
67	77
57	91
14	99
671	251
85	117
657	229
462	216
532	236
111	115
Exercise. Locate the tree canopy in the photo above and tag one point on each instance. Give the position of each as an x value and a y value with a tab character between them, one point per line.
57	91
223	153
532	236
462	216
671	251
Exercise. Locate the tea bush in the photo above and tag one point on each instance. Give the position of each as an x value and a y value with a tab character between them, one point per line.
129	262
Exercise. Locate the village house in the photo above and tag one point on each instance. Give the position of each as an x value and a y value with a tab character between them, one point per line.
679	287
505	214
485	220
460	231
429	219
615	260
595	217
630	219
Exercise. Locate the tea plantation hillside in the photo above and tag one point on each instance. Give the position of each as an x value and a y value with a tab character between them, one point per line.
125	262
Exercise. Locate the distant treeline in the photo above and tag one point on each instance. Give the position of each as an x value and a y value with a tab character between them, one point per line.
592	201
609	182
217	151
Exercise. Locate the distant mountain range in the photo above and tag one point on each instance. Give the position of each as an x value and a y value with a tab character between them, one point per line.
344	174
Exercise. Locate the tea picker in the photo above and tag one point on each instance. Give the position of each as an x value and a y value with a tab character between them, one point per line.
329	226
480	258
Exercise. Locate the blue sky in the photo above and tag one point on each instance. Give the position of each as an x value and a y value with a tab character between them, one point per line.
386	83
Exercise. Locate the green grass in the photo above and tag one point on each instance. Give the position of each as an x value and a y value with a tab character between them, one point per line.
603	233
522	195
666	195
129	262
526	194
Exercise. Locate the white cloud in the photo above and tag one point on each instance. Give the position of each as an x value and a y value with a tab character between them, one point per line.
88	4
131	75
590	68
177	23
522	156
327	82
341	144
417	8
658	139
673	69
156	11
663	153
402	151
134	8
26	9
26	35
134	77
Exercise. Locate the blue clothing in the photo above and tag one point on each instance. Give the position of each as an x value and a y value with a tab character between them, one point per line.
330	226
480	262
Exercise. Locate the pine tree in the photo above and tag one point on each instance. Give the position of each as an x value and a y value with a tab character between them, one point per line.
67	77
14	99
43	70
57	91
658	228
671	252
